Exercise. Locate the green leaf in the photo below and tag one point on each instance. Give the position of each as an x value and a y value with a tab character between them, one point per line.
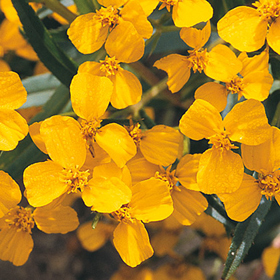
244	236
26	153
63	67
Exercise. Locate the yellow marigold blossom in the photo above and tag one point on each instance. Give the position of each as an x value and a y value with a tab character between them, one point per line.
246	28
13	126
253	80
188	203
127	26
219	64
87	89
185	13
127	90
265	160
159	145
220	169
17	223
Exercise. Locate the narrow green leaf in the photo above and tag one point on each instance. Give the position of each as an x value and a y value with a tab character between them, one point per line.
244	236
42	42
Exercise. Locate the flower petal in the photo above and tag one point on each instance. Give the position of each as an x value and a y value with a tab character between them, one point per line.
273	37
34	132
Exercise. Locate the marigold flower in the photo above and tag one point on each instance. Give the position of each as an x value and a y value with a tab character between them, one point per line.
265	160
17	223
246	28
185	13
12	125
253	80
127	26
220	169
219	64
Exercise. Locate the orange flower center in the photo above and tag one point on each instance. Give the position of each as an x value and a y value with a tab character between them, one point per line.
75	179
269	184
198	59
168	4
235	86
20	219
269	10
168	177
108	16
135	133
123	214
221	141
110	66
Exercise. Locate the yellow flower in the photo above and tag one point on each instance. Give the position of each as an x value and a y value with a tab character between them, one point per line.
87	89
185	13
17	223
127	26
13	126
219	64
246	28
188	202
159	145
127	89
253	80
220	169
265	160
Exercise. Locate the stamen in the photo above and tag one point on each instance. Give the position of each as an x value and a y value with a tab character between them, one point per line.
168	177
269	184
198	59
110	66
108	16
269	10
221	141
168	4
236	86
122	214
135	133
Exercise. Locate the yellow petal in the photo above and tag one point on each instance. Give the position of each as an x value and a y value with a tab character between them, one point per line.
160	145
43	183
91	67
196	38
148	5
60	219
93	239
220	171
125	43
64	142
202	120
186	171
222	64
244	201
87	34
127	89
273	37
133	12
190	12
247	123
115	140
132	242
106	195
34	132
13	128
107	3
270	259
265	156
87	89
188	205
4	66
15	246
177	68
12	92
243	28
10	193
257	85
214	93
151	203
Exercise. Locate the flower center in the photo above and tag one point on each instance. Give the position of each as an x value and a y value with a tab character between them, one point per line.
221	141
269	184
20	218
75	179
123	214
110	66
235	85
269	10
168	4
135	133
108	16
198	59
168	177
